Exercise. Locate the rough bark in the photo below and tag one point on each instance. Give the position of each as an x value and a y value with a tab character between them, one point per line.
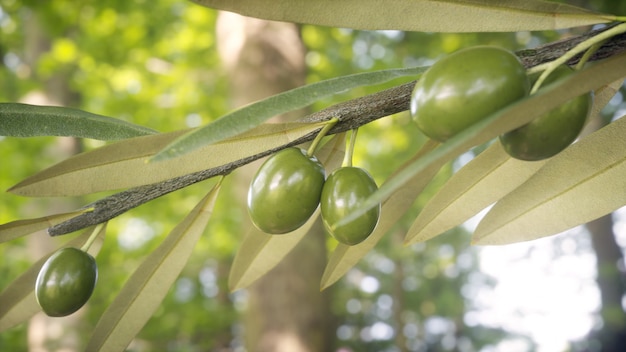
286	310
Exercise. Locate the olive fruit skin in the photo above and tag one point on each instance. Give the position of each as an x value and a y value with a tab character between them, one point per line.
465	87
552	132
285	191
66	281
345	189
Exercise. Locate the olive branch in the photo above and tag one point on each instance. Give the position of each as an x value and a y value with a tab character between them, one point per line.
350	114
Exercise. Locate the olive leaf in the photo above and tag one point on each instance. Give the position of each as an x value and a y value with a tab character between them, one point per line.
602	96
18	298
520	113
582	183
344	257
252	115
19	228
23	120
487	178
123	164
260	252
419	15
480	183
147	286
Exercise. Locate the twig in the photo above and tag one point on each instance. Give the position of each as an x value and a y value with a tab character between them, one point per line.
352	114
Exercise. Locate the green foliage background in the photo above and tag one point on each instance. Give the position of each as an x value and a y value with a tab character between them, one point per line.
155	64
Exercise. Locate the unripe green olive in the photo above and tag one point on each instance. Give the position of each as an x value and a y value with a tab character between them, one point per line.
549	134
66	281
466	87
345	190
285	191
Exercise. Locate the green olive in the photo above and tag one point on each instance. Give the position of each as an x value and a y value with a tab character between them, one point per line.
465	87
66	281
285	191
549	134
345	189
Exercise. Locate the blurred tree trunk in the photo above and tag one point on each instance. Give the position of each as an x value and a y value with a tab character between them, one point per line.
611	281
46	333
398	292
286	311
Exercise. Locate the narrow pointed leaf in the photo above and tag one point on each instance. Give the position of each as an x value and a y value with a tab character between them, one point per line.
19	228
344	257
580	184
252	115
260	252
419	15
483	181
22	120
123	164
147	286
602	97
520	113
18	299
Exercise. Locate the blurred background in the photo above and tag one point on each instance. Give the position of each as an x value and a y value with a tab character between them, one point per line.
171	65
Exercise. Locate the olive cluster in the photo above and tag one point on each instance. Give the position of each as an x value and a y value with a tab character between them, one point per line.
471	84
287	189
455	93
66	281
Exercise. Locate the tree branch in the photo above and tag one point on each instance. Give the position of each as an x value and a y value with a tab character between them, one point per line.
351	114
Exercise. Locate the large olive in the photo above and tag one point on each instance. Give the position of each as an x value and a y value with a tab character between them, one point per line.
66	281
465	87
345	190
549	134
285	191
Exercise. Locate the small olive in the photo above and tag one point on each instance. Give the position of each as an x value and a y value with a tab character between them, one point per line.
549	134
285	191
66	281
466	87
344	191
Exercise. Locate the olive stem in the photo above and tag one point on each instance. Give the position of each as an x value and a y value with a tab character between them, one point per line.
92	236
327	126
218	184
587	55
347	158
584	45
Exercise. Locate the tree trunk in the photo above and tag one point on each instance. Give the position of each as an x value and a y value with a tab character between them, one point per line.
286	310
46	333
611	283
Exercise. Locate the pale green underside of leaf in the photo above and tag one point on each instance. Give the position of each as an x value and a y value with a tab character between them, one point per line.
123	164
520	113
260	252
18	299
482	182
19	228
252	115
147	286
602	97
22	120
344	257
418	15
580	184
